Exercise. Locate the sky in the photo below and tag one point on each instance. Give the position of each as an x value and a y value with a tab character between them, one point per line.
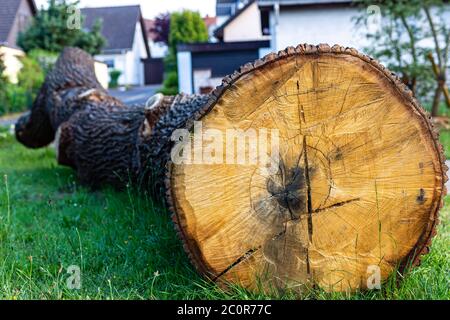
151	8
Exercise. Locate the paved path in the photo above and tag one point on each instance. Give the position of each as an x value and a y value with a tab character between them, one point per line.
9	120
134	95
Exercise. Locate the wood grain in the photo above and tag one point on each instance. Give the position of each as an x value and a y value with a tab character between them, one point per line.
360	181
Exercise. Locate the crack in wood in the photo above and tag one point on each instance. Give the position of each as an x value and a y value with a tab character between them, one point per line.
242	258
308	191
339	204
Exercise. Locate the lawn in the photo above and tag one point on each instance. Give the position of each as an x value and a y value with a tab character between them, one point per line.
125	244
445	140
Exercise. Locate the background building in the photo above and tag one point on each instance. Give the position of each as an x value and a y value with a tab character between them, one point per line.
127	43
15	15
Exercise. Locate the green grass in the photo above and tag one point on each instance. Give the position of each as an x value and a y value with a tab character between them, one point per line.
125	245
445	140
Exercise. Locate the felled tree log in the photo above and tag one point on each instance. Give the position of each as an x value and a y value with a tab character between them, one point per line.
130	145
358	181
70	87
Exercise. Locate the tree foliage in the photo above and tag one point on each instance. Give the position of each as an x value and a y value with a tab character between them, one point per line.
3	84
50	30
17	97
403	38
185	27
162	28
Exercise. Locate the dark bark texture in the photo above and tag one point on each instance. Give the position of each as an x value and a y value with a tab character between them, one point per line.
106	142
70	87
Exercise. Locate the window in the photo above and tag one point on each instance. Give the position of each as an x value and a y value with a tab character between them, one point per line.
265	22
110	64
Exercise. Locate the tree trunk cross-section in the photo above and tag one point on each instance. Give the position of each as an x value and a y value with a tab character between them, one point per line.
360	179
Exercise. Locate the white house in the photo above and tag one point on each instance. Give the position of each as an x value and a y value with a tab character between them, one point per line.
158	49
282	23
290	22
244	25
127	43
307	21
228	8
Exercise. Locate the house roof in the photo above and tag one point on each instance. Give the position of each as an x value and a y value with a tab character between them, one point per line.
218	33
8	12
223	46
302	2
118	25
210	21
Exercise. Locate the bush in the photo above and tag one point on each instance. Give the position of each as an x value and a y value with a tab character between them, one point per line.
49	30
31	76
170	84
19	97
45	59
3	84
185	27
114	76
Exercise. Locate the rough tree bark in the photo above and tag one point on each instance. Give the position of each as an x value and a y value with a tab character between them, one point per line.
105	141
72	86
128	145
359	181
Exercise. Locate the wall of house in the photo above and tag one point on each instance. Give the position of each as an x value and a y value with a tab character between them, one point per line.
247	26
129	61
157	49
21	21
200	70
330	24
333	25
114	61
185	77
11	61
137	54
102	73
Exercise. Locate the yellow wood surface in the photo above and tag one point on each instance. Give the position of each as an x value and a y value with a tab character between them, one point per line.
359	161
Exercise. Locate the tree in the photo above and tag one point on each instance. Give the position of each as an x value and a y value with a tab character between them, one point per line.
50	31
162	28
440	33
30	78
185	27
400	43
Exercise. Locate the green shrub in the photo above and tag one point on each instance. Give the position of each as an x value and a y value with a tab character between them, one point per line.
45	59
170	84
19	97
3	84
185	27
49	30
31	76
114	78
